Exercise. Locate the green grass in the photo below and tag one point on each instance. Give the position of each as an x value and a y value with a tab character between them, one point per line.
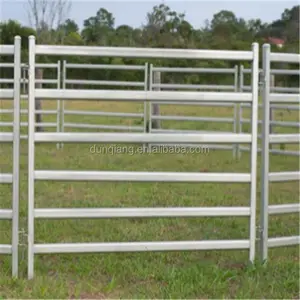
199	274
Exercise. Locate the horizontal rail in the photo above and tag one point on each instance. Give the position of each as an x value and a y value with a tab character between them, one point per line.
11	65
284	138
98	126
211	104
25	124
44	112
46	66
125	95
44	81
6	80
276	71
282	106
192	118
104	82
285	57
193	86
106	67
211	146
276	123
276	89
194	70
141	176
5	249
7	49
285	72
273	151
143	137
6	214
103	113
6	136
246	88
6	178
143	52
25	111
285	89
249	71
8	65
6	93
283	241
284	176
141	246
284	98
185	131
66	213
285	152
284	209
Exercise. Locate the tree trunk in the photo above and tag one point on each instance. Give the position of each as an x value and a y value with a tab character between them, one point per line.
38	102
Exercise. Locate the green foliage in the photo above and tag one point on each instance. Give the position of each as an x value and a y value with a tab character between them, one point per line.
167	29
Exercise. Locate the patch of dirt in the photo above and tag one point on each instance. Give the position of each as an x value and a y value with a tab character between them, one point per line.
235	266
97	295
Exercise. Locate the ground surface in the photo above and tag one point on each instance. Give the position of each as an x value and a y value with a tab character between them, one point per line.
203	274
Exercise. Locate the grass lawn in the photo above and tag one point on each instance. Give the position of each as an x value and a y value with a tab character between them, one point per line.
199	274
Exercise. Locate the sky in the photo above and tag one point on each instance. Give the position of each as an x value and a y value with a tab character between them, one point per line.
133	13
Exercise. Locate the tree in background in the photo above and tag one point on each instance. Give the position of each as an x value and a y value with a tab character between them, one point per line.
99	30
47	16
163	27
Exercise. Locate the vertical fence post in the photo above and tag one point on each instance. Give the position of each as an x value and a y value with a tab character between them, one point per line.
235	113
157	81
31	152
254	131
145	102
64	77
16	156
240	123
38	102
272	115
265	155
149	123
24	78
58	104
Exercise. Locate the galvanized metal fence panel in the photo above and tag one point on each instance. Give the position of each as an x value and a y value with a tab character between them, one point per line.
141	96
79	82
24	96
155	116
14	138
267	139
279	105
